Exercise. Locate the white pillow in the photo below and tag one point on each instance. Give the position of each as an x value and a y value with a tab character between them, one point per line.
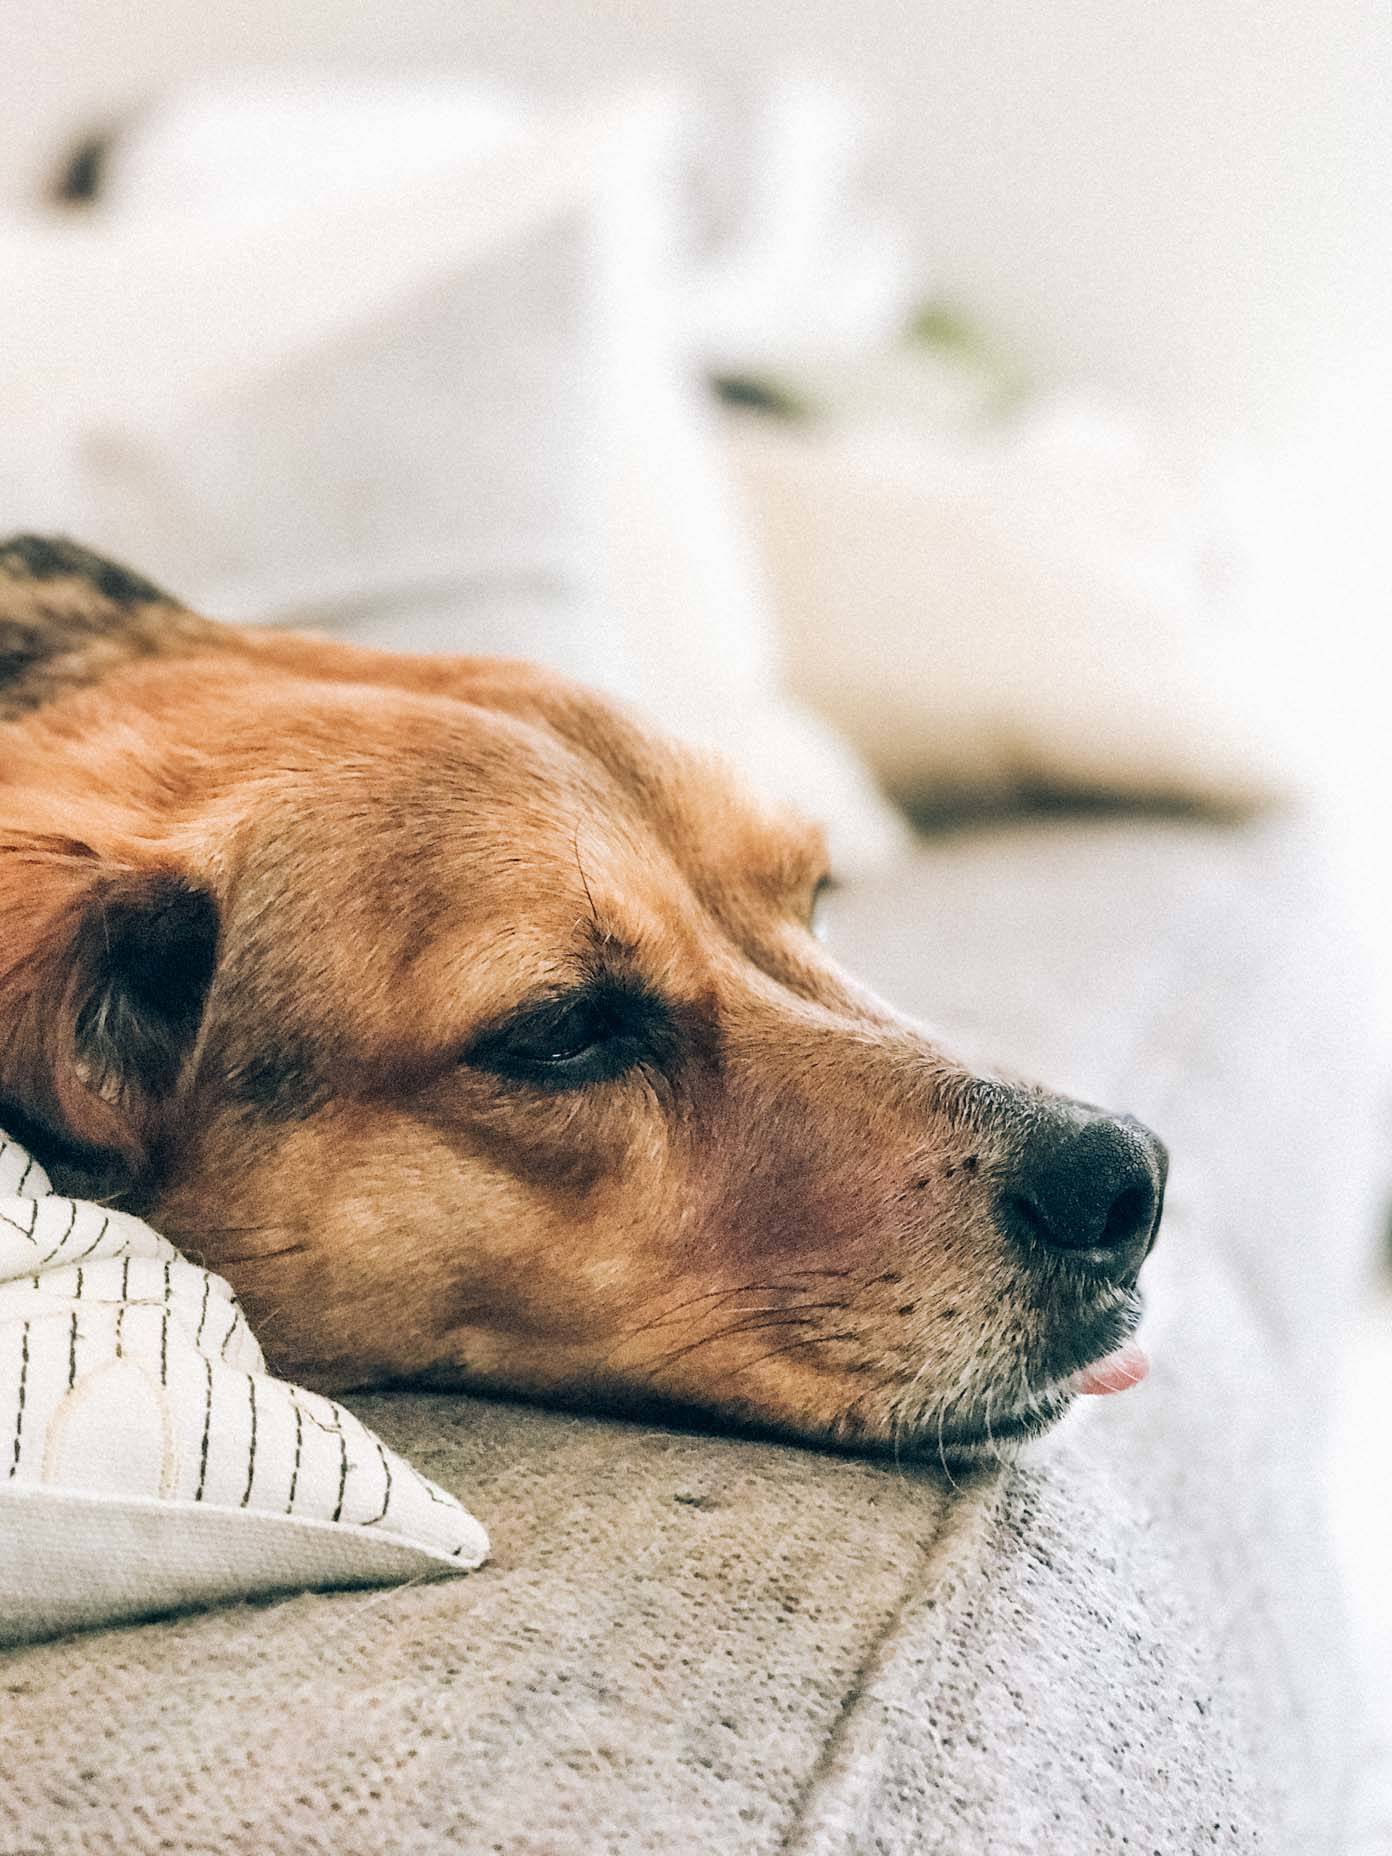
1038	608
148	1462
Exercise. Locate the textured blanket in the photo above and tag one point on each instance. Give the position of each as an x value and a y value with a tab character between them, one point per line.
698	1646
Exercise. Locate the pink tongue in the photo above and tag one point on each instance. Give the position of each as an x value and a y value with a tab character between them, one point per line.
1120	1371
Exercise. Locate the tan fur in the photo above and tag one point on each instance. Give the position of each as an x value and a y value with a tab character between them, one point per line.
790	1222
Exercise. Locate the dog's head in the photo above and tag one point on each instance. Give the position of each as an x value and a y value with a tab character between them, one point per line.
481	1037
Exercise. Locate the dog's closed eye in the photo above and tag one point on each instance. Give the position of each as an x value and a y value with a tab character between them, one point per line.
591	1035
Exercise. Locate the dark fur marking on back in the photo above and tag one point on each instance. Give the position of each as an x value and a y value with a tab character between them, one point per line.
68	616
49	557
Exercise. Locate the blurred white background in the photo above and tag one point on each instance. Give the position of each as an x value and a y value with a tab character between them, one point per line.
1188	201
1172	222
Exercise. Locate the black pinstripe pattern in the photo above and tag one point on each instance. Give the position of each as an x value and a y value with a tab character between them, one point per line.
164	1329
105	1227
207	1427
121	1311
387	1485
72	1220
299	1446
342	1476
23	1393
24	1231
251	1452
232	1327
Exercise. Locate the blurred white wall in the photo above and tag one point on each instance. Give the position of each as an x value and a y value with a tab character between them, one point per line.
1188	200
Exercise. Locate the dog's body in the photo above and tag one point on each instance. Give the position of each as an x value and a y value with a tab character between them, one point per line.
478	1037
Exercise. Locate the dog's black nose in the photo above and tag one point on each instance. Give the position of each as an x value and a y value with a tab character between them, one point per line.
1088	1185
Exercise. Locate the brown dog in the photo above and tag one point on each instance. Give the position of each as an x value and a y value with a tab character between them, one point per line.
479	1037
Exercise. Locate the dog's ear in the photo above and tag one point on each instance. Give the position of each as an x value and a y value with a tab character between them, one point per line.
105	967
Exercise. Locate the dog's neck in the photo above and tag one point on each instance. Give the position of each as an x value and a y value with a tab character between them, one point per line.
68	617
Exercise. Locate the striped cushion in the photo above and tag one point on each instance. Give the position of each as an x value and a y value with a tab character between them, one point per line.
147	1459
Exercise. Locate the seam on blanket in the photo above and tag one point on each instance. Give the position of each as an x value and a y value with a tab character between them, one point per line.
963	1515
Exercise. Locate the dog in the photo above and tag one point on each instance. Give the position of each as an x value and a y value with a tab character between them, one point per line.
481	1038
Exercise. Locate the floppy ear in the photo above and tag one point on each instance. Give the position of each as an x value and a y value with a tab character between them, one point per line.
104	974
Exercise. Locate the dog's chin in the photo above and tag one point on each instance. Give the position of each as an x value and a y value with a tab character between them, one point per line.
999	1433
998	1425
994	1441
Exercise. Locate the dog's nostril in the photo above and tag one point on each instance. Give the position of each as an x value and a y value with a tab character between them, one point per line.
1088	1188
1132	1210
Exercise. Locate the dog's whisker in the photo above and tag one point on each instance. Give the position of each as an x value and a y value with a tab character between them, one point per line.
903	1409
263	1256
584	880
942	1452
903	1418
672	1310
666	1317
780	1313
991	1443
759	1308
788	1318
810	1340
230	1230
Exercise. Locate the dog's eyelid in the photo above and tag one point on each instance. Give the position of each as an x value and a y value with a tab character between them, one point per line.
530	1015
568	1038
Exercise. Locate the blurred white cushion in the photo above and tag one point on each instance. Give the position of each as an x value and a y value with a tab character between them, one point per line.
395	449
1040	610
148	1461
427	397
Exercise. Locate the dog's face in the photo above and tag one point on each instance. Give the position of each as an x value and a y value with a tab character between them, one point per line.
477	1036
